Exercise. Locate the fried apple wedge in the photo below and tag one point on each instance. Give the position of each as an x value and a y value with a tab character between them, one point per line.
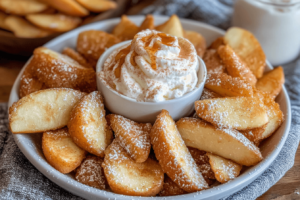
2	21
224	169
60	71
76	56
60	151
235	66
248	48
54	22
226	85
125	29
69	7
22	7
92	43
148	23
271	82
255	135
87	125
43	110
127	177
21	28
173	156
172	26
170	188
91	173
213	62
133	137
208	94
197	40
227	143
239	113
217	43
97	6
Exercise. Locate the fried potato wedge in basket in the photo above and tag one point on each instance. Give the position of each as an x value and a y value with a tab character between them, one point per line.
92	43
271	82
173	156
97	5
172	26
57	71
125	176
22	7
133	137
60	150
224	169
248	48
54	22
43	110
228	143
197	40
239	113
21	28
91	173
87	125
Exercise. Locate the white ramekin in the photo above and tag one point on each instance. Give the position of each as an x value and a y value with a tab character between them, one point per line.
147	111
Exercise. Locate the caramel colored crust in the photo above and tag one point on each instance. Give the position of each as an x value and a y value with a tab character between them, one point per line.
127	177
213	62
126	29
235	66
227	143
91	173
133	137
173	156
92	43
170	188
60	151
97	6
87	125
208	94
76	56
226	85
148	23
255	135
60	71
217	43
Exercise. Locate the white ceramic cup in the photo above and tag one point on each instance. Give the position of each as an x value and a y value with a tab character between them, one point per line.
147	111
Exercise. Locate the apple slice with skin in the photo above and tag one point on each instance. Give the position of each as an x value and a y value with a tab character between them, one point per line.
227	143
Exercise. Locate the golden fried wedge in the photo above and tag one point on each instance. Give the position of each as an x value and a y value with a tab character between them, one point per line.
172	26
148	23
170	188
76	56
125	29
97	5
239	113
127	177
226	85
87	125
91	173
43	110
197	40
173	156
21	28
54	22
69	7
248	48
92	43
271	82
213	62
133	137
224	169
22	7
208	94
2	21
60	71
235	66
217	43
255	135
60	151
227	143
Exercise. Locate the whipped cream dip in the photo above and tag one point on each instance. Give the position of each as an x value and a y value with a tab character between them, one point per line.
154	67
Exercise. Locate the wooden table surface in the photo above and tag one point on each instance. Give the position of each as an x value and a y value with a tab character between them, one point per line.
287	188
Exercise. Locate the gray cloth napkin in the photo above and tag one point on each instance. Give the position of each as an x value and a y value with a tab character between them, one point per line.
21	180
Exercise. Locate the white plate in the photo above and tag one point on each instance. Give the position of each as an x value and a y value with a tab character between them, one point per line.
30	144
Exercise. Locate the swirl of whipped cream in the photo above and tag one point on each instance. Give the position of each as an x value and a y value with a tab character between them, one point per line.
154	67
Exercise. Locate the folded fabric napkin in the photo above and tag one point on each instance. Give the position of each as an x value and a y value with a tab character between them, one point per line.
21	180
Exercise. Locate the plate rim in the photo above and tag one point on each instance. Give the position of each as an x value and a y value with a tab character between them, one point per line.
80	189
